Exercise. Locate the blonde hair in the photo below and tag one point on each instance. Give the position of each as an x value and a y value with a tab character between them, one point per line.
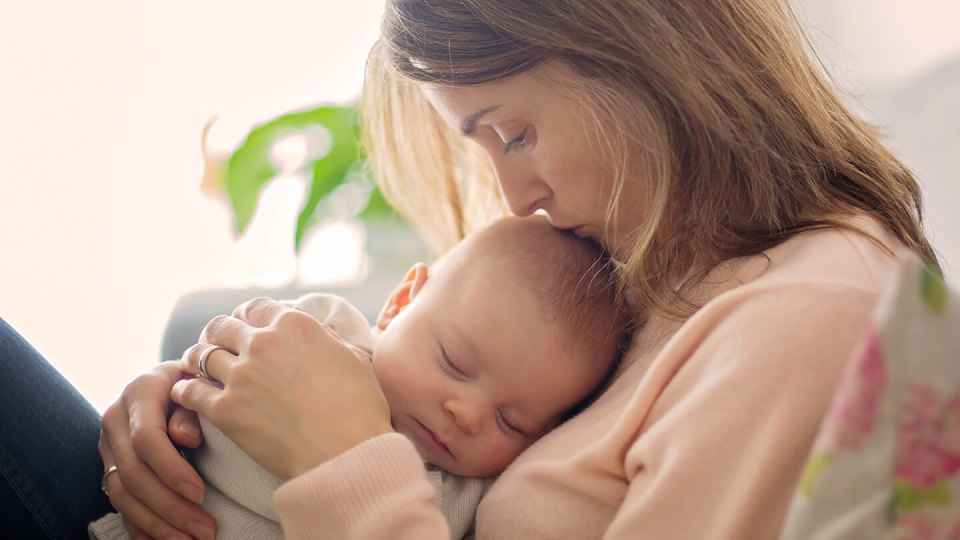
719	104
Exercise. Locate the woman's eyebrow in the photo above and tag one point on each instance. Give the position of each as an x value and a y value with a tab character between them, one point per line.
469	124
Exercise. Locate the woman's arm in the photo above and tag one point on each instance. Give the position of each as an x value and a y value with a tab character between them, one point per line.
375	491
155	489
726	440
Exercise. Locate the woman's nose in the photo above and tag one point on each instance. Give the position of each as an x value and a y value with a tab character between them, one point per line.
523	190
465	416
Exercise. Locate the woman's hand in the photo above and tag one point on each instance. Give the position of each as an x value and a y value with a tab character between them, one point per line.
294	393
155	490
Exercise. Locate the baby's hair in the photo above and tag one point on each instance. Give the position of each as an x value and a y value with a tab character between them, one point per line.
571	276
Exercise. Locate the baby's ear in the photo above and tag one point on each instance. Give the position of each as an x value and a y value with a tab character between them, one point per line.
401	297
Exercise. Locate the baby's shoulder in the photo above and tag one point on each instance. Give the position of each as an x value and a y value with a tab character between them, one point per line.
340	315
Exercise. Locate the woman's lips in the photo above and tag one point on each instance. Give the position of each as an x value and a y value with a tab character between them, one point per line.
431	438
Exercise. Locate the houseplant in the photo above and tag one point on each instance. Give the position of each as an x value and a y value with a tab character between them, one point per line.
331	159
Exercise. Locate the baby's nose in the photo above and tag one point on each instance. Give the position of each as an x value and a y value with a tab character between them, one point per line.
464	416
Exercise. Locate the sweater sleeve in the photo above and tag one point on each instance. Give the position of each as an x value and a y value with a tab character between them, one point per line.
723	445
376	490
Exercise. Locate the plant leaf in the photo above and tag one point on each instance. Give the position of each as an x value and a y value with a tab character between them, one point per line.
330	166
377	206
250	168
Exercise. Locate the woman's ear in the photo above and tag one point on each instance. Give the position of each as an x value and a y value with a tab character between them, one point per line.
401	297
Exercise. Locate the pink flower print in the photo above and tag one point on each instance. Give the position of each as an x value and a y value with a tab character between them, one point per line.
917	526
954	532
928	436
856	403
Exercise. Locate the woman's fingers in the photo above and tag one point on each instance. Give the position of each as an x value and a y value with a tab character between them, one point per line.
260	312
133	531
196	395
168	513
148	437
155	489
184	428
225	331
113	489
153	450
138	519
184	519
206	360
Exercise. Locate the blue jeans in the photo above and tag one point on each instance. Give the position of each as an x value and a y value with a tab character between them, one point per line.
49	464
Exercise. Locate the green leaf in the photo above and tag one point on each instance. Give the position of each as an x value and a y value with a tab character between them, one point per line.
907	497
250	168
811	472
328	174
377	206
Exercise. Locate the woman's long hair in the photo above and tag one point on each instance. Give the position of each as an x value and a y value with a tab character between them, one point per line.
719	105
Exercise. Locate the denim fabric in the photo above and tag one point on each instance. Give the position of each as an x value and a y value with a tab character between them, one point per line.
49	464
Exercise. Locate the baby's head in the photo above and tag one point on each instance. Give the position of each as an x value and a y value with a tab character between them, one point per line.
490	349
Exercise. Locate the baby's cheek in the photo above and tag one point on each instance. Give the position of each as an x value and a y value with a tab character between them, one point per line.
499	456
387	379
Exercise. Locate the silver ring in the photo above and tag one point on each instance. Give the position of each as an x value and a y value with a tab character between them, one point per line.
203	360
103	481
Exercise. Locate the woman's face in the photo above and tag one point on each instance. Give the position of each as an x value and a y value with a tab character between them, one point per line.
538	140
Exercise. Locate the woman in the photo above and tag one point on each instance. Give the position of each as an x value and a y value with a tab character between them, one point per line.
755	220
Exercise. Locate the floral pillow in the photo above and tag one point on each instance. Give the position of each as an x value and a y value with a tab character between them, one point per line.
886	462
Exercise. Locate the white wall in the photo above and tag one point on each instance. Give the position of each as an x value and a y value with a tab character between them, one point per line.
901	60
102	224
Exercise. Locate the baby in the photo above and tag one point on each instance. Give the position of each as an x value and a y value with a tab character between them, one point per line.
477	357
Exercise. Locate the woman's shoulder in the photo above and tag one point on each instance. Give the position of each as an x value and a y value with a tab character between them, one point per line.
809	280
802	303
807	283
861	256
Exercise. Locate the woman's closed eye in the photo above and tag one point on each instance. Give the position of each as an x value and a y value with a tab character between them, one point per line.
517	143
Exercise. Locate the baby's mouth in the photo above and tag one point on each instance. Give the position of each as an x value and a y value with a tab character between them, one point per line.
432	438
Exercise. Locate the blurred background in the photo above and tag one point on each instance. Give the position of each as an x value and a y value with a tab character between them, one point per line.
103	226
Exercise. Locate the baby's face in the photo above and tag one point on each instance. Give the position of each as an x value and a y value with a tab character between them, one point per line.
474	373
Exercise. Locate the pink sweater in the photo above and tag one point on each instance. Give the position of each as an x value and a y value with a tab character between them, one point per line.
702	433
